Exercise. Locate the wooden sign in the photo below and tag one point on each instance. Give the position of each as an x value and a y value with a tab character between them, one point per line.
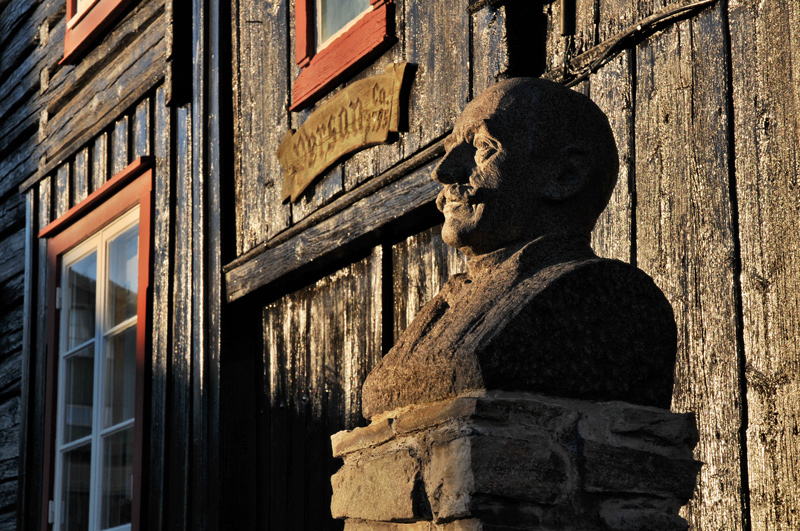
360	116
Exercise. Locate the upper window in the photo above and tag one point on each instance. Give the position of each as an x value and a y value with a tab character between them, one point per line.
85	20
333	39
98	267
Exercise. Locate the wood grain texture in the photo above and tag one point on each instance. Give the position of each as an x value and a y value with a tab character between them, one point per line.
685	241
80	176
614	16
120	145
110	92
437	39
555	46
12	16
62	191
179	443
490	58
79	100
319	193
320	343
161	315
611	88
332	236
560	49
421	264
11	264
12	212
765	43
261	121
99	160
36	452
22	73
140	130
28	385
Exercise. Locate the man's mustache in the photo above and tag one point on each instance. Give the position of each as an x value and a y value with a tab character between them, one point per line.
460	193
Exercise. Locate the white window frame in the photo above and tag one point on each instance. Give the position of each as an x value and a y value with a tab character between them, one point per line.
95	243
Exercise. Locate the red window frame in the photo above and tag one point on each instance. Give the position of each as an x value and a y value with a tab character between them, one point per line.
93	21
130	187
371	35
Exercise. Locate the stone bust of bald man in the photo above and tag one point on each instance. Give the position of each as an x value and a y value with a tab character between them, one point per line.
528	169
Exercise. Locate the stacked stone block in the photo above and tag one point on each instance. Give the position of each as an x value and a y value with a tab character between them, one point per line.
513	461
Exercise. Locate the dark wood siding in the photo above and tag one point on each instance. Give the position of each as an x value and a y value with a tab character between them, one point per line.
320	343
703	101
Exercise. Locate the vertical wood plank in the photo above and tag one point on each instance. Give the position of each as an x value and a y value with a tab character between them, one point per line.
62	190
321	337
320	343
765	43
437	39
685	241
556	46
278	329
297	400
489	47
45	197
141	130
262	120
29	475
99	161
120	143
614	16
611	88
363	331
645	8
420	267
161	282
561	48
80	176
179	445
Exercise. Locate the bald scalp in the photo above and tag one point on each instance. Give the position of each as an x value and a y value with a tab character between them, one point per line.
550	119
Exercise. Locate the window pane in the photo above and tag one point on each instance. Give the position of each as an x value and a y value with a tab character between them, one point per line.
77	476
117	479
123	276
79	387
82	5
82	287
333	15
120	381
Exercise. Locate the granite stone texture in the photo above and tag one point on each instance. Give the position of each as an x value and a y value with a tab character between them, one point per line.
501	461
528	168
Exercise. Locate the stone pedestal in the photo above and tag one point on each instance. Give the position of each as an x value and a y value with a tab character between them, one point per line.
506	461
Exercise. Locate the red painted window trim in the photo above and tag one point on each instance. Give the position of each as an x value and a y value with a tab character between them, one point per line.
132	186
97	18
368	37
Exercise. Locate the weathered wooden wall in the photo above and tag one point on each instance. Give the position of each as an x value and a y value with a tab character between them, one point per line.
713	141
703	98
50	113
67	129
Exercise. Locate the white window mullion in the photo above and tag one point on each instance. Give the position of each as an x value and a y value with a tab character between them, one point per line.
97	446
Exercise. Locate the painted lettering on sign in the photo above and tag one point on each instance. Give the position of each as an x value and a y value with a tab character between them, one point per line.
360	116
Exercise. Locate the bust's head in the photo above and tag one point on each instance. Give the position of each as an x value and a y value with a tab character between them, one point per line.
526	158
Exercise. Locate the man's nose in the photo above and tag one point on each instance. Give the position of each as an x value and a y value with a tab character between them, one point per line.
454	167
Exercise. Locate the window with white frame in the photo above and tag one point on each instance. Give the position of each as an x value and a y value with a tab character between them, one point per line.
98	277
94	465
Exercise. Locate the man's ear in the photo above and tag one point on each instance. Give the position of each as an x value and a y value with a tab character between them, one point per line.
569	175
